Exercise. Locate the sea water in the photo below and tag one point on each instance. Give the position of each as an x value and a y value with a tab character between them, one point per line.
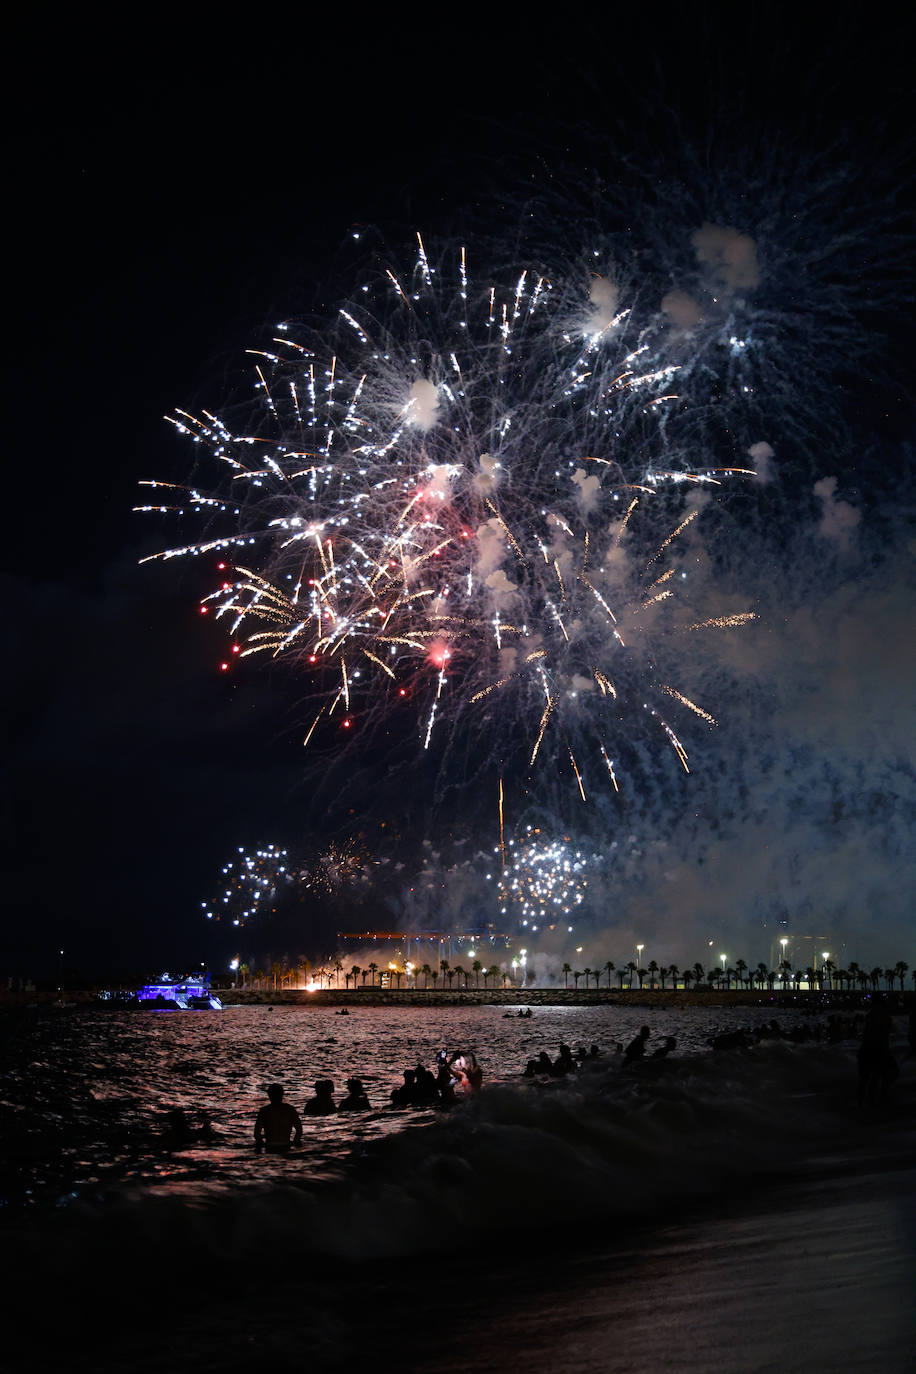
85	1093
395	1216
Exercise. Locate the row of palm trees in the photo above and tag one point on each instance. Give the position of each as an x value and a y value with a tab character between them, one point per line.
828	975
282	975
286	975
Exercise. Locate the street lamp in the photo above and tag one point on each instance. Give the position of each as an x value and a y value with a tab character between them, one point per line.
639	950
234	966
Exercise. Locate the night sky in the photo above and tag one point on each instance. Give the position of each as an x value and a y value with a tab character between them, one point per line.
171	193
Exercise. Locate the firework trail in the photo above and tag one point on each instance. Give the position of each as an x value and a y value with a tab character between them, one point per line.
470	506
250	883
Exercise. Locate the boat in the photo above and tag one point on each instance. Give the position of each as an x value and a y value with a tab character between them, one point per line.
191	994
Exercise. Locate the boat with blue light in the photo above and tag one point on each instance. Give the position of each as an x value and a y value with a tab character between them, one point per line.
189	994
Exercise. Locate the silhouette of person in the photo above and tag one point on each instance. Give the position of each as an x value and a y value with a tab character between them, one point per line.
356	1099
637	1046
180	1132
425	1090
403	1094
664	1050
323	1102
276	1122
877	1066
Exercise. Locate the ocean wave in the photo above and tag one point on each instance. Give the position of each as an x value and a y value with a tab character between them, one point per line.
611	1145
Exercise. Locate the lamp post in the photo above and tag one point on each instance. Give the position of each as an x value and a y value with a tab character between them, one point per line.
639	950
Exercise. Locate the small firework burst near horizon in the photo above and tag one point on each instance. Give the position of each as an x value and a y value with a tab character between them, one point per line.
545	880
339	867
250	883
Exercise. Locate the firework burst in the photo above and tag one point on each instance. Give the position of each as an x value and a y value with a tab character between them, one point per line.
545	879
466	498
250	884
340	866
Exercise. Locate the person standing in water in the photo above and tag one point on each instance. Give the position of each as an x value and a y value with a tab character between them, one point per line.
276	1122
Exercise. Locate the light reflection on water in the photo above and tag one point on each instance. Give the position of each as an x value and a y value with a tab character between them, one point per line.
84	1094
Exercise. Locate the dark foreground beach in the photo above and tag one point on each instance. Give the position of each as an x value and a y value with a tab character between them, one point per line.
734	1212
815	1273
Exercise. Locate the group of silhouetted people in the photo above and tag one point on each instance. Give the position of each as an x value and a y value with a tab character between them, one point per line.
278	1125
566	1062
457	1075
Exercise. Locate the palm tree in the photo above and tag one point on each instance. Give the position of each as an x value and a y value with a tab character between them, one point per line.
785	968
853	970
631	969
303	970
713	976
567	970
641	973
621	974
355	971
275	973
653	969
760	975
587	974
663	974
444	970
901	969
609	968
577	974
476	967
434	975
698	974
426	971
492	972
875	977
244	970
338	969
675	975
460	973
740	969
